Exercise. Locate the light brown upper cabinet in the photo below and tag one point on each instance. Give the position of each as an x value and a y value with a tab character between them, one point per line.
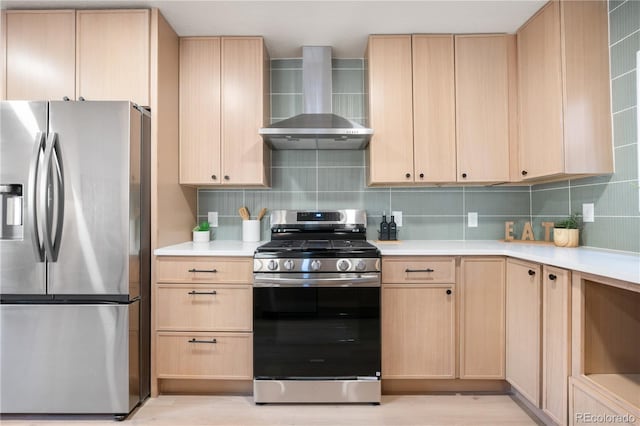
390	152
439	106
482	106
93	54
112	55
40	54
224	86
563	90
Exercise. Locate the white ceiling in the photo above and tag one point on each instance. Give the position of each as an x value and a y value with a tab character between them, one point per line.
288	25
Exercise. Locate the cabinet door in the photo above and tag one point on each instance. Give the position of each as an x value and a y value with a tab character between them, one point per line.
244	86
556	342
523	309
540	94
482	312
112	55
390	152
482	108
418	331
200	110
40	54
434	113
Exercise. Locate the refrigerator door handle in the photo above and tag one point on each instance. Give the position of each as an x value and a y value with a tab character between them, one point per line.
33	211
53	162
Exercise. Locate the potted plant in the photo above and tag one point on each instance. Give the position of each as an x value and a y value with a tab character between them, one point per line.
201	232
566	233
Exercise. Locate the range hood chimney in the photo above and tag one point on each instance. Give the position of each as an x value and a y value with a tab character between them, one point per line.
317	127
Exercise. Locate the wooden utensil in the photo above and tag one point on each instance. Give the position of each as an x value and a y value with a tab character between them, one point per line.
262	213
244	213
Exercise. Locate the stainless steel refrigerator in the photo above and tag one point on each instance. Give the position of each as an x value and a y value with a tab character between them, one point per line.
74	257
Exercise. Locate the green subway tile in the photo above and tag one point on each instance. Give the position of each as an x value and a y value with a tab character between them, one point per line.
341	179
276	200
497	203
431	228
626	163
623	55
550	185
373	226
341	200
293	158
223	202
340	157
286	63
377	203
615	3
348	106
286	81
620	199
619	233
623	91
601	179
229	228
550	202
625	127
285	106
300	179
346	63
624	20
347	81
497	189
492	228
427	203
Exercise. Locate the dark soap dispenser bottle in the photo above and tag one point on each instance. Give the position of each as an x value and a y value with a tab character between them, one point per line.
393	230
384	228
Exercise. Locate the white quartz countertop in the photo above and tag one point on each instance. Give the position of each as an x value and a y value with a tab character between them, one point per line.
212	248
617	265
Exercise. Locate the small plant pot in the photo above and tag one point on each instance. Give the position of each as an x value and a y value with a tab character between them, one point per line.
201	236
563	237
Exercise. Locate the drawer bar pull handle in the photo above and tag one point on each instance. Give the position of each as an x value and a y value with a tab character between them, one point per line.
203	341
212	271
203	292
420	270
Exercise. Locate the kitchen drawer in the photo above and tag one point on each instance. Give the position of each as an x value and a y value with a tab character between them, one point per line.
193	356
418	269
188	269
183	307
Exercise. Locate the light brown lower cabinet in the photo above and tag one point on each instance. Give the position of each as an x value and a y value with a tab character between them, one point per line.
418	331
556	342
482	318
524	310
183	355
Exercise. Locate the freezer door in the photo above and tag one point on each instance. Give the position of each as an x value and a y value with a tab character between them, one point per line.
71	359
99	237
23	127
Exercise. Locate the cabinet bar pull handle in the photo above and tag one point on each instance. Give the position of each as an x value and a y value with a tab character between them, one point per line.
203	292
203	341
212	271
552	277
419	270
532	272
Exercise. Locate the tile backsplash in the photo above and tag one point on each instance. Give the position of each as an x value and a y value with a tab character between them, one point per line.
336	179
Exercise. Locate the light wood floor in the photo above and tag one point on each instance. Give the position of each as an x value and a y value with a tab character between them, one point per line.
240	410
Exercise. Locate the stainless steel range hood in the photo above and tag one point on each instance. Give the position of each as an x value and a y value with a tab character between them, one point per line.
318	127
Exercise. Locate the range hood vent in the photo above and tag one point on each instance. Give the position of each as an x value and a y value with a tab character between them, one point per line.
317	127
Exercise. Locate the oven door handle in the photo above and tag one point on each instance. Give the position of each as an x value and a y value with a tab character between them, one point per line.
364	280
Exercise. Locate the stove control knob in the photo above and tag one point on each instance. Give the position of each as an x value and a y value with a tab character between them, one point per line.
361	265
344	265
315	265
288	264
272	265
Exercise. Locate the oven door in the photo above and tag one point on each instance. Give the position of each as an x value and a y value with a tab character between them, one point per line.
314	328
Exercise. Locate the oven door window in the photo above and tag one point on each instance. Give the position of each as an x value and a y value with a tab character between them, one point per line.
312	332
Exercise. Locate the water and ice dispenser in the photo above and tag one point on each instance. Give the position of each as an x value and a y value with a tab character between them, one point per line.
12	212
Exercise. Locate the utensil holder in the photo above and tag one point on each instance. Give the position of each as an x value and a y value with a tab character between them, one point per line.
251	230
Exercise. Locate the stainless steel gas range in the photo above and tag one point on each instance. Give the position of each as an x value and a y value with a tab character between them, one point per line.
316	310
